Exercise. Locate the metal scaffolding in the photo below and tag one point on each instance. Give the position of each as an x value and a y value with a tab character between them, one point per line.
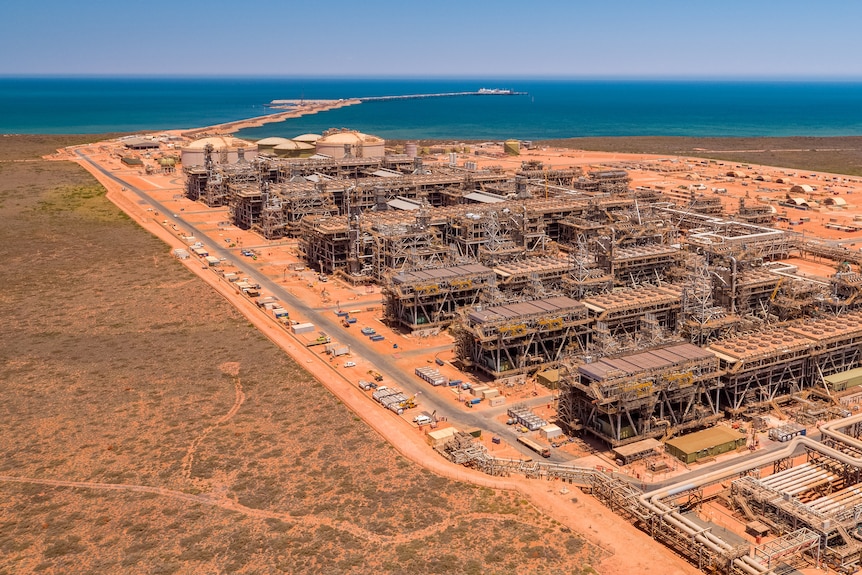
516	339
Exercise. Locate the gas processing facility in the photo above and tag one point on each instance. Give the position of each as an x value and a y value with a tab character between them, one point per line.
662	314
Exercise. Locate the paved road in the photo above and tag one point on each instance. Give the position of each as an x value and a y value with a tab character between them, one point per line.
326	321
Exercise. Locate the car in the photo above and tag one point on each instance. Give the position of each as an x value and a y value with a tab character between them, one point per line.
349	364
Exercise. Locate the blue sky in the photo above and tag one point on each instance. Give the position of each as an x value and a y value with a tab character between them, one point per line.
375	38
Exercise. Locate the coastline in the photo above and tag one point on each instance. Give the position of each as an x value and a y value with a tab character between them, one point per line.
292	111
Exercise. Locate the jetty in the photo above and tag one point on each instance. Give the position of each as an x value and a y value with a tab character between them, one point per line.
479	92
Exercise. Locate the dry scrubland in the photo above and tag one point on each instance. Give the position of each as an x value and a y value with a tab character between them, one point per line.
840	155
120	369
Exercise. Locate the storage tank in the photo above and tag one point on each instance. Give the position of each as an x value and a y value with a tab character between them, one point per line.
266	145
307	138
225	150
291	149
512	147
410	149
349	143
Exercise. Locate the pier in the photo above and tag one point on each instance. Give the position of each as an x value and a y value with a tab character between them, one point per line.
479	92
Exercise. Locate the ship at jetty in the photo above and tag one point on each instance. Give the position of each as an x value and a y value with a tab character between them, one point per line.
499	92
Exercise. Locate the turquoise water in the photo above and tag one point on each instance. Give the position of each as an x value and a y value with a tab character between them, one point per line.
552	108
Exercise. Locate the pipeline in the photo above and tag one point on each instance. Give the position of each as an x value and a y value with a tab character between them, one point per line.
651	500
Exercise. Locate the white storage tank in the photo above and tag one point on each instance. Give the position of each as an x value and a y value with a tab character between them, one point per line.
225	150
349	143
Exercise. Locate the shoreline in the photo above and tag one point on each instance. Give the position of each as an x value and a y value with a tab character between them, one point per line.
294	111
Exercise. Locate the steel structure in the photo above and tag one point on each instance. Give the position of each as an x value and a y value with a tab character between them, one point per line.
766	365
623	311
430	298
652	393
515	339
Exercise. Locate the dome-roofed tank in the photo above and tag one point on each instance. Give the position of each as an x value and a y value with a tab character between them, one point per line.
291	149
225	150
266	145
308	138
345	143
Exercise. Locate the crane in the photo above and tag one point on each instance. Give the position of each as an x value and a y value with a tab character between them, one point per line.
775	291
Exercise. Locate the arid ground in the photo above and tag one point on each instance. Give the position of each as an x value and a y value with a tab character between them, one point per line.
148	428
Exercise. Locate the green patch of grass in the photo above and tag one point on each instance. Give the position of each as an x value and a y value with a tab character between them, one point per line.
87	201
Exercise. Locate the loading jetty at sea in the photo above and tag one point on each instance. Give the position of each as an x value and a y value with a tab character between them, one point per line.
479	92
291	109
297	108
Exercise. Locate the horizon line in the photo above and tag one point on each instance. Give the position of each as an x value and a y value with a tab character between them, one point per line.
458	77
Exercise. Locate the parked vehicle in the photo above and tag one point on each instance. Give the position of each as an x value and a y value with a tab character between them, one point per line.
535	446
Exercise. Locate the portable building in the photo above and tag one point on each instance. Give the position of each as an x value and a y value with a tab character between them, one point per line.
298	328
844	380
707	443
550	431
550	378
437	437
637	450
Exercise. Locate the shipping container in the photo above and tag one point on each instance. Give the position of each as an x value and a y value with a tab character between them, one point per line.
302	328
497	401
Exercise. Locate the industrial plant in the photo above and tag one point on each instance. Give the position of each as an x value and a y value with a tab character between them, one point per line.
663	311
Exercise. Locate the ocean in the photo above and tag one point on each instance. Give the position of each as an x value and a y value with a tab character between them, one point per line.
551	108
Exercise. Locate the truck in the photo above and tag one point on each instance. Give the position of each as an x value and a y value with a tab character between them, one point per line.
336	349
535	446
322	339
